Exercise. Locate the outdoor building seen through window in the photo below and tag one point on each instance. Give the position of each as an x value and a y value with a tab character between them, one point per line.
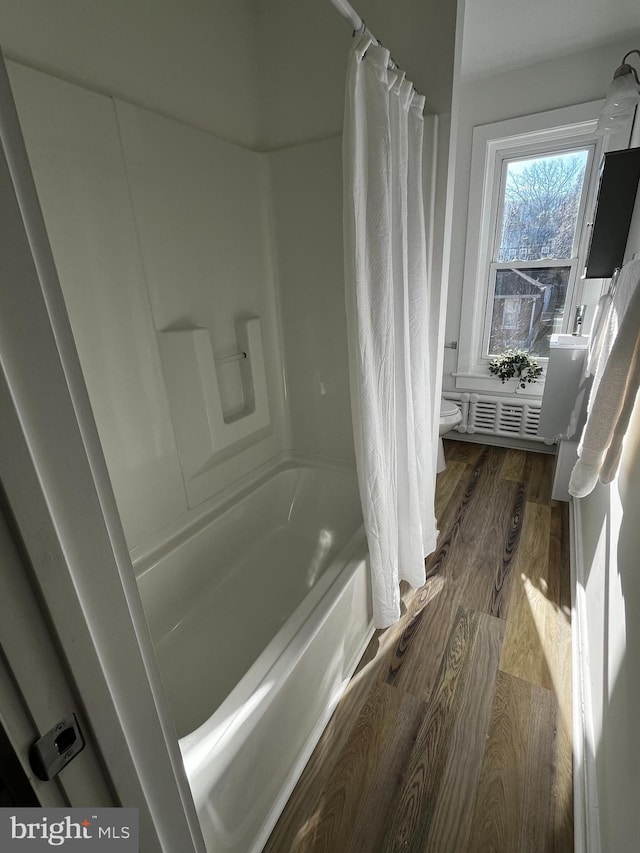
534	249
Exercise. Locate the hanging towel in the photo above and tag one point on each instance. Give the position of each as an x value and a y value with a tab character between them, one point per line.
609	313
598	333
613	394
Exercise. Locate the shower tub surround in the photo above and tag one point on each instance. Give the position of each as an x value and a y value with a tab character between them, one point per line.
194	272
259	615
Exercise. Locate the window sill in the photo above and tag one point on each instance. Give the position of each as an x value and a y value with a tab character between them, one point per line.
492	385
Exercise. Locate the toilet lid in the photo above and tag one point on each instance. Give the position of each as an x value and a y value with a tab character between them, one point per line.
447	408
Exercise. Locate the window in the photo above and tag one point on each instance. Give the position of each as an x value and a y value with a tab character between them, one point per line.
532	186
535	249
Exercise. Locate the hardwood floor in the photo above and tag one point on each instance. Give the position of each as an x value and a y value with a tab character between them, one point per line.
454	734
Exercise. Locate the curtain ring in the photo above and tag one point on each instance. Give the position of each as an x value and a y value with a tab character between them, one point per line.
361	31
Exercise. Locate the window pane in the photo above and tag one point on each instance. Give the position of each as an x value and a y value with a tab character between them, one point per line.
540	207
527	309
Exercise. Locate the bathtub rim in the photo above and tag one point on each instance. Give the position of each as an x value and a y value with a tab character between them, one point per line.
312	741
284	667
287	646
220	737
145	556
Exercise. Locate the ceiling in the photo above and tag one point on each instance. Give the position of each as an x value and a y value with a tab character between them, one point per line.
503	34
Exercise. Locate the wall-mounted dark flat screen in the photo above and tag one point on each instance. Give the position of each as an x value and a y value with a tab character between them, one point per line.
619	177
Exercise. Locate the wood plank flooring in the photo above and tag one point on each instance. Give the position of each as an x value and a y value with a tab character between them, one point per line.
454	734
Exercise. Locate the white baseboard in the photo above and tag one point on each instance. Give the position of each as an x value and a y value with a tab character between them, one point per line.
585	793
500	441
312	742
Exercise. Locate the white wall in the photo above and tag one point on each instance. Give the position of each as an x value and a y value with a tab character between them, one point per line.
152	224
74	148
262	74
307	208
574	79
201	214
216	232
303	46
610	524
194	60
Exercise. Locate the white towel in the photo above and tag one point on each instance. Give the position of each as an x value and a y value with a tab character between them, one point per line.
613	394
606	323
598	333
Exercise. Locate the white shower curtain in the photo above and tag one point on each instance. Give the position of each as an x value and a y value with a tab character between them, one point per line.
387	319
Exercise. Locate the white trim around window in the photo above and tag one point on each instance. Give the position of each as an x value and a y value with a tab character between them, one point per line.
493	145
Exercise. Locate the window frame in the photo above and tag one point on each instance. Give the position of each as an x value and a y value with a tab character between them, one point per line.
569	263
540	148
493	146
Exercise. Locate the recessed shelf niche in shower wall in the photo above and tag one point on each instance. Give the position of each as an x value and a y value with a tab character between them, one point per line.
211	426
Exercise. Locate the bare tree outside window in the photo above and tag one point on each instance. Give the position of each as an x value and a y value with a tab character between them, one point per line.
541	201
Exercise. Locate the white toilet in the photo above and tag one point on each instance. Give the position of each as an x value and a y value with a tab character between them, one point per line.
450	416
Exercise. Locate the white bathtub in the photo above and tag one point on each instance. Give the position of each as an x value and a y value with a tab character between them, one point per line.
259	618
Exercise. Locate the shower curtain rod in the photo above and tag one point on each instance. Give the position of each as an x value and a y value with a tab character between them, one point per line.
348	12
359	26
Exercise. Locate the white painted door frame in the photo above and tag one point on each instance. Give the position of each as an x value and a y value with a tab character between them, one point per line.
59	496
34	688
